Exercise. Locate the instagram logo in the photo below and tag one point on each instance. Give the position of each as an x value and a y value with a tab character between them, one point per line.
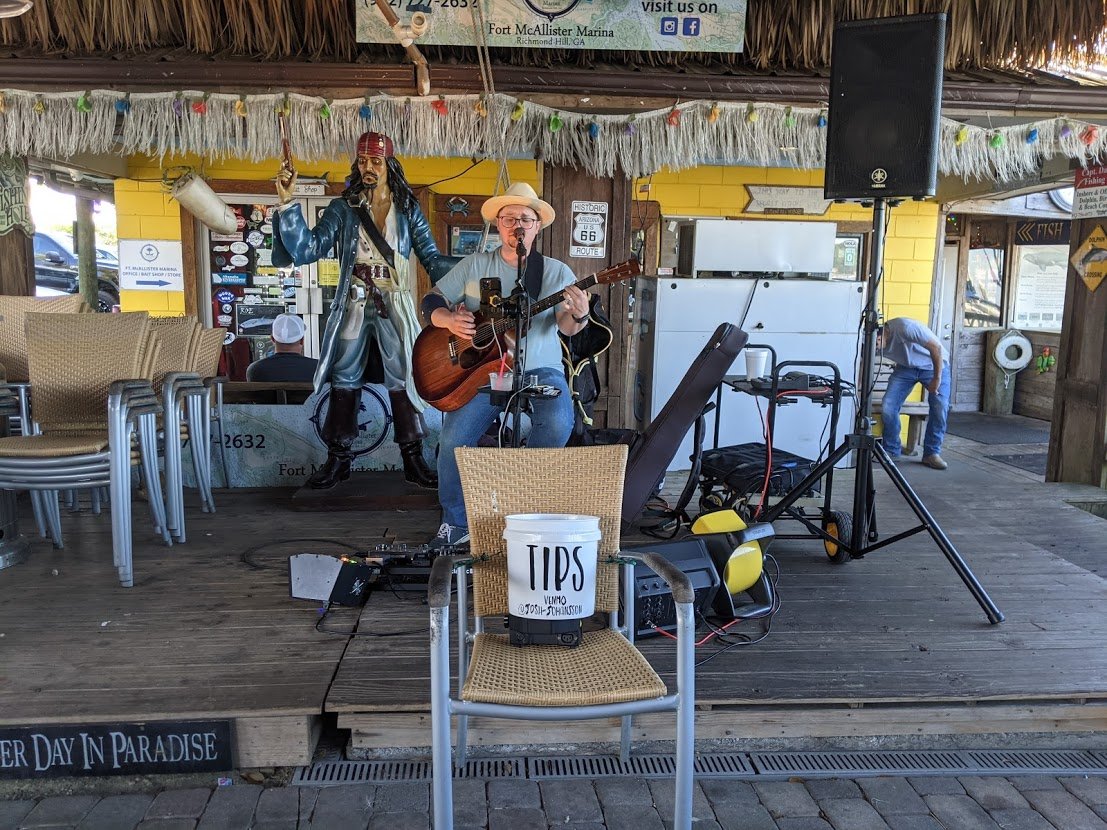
668	25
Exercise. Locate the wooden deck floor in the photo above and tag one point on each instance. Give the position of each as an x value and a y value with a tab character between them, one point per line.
891	644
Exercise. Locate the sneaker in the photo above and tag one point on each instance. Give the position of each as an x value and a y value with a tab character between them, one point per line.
934	462
449	536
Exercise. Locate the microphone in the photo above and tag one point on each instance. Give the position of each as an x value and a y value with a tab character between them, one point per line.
520	247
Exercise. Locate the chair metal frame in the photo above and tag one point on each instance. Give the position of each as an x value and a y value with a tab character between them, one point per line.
186	399
130	422
444	706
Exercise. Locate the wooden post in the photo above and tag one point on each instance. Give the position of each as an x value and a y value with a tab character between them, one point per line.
1076	441
561	186
17	259
84	240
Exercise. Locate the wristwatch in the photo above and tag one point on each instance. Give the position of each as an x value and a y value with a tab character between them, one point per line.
583	319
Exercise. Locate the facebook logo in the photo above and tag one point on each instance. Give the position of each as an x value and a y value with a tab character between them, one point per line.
668	25
691	26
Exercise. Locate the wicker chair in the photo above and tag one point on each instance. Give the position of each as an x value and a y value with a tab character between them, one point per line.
13	356
13	340
187	398
605	675
174	380
205	410
90	380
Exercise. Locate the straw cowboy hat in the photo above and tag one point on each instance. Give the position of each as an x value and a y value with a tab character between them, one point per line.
519	193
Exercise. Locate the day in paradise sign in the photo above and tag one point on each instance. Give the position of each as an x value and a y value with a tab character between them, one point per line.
642	25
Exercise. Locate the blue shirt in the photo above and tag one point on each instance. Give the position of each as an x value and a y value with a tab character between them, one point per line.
462	284
905	342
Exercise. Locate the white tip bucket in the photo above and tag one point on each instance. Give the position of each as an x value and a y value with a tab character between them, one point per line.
551	565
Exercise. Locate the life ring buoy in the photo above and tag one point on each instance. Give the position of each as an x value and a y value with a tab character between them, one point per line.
1024	352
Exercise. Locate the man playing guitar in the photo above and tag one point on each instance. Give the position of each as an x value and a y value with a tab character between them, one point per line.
519	215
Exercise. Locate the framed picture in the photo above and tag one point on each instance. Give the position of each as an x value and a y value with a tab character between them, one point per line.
466	240
256	319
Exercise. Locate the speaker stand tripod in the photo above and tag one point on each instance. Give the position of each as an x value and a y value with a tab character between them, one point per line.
862	442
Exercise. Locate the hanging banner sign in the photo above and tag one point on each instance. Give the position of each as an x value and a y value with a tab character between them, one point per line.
13	196
1090	198
151	265
589	230
641	25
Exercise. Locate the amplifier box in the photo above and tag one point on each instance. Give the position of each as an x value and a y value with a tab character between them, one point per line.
653	600
339	580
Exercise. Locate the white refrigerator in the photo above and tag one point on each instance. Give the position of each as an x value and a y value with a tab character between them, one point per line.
803	319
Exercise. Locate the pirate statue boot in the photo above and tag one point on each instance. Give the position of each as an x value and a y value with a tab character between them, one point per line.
409	430
339	431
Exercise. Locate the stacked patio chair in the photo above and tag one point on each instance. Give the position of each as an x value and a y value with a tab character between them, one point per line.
13	358
605	675
207	409
174	382
91	390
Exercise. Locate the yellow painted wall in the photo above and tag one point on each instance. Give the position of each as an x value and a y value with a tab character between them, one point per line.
145	212
910	245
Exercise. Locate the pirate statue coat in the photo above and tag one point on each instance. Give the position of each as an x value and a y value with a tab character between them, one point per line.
373	303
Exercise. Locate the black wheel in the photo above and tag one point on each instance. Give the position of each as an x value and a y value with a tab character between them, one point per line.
839	525
106	300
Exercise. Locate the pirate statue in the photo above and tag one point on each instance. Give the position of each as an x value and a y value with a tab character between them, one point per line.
372	228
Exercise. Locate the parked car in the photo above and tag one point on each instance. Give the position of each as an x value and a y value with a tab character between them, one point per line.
56	271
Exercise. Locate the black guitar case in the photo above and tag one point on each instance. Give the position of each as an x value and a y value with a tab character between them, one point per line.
652	451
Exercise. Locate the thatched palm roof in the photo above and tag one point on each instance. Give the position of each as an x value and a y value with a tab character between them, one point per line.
780	34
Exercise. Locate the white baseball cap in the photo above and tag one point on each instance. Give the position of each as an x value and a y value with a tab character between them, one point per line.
287	328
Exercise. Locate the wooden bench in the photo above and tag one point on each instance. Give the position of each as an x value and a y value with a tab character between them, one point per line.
916	411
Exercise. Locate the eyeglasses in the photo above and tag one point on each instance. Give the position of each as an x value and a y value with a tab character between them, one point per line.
521	221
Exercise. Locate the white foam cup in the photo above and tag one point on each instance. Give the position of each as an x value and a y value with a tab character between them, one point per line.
757	363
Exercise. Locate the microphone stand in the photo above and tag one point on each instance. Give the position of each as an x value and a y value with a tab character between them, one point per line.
520	308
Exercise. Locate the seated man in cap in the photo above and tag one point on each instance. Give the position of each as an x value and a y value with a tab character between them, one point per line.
372	228
519	215
287	364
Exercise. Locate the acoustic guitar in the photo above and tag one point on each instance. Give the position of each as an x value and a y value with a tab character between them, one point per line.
449	369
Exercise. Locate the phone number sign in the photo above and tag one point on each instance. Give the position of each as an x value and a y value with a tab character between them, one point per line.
589	230
630	25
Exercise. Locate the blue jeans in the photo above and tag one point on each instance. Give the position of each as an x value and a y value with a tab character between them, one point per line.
900	384
551	423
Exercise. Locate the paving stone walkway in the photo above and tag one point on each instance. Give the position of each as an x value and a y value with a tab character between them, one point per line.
931	803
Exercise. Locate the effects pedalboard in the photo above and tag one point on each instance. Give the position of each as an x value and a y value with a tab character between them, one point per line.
350	578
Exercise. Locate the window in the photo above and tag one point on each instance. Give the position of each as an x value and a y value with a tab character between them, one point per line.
983	288
1062	197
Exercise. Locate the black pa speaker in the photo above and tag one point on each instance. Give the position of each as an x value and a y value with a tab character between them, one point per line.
885	107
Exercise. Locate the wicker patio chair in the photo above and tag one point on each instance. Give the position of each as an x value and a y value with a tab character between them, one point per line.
205	409
13	355
605	675
174	380
90	382
13	340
